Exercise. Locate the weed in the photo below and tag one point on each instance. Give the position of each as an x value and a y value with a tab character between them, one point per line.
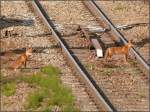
120	7
61	96
89	66
50	70
34	99
36	79
50	89
9	89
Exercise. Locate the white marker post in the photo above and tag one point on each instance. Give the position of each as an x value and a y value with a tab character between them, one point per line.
99	53
98	48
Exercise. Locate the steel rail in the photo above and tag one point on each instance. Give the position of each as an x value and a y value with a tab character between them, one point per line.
96	10
95	90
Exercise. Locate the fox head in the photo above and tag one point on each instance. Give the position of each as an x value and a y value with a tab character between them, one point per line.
29	51
129	44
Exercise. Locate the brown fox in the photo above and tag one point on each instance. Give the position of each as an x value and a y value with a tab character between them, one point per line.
22	59
119	50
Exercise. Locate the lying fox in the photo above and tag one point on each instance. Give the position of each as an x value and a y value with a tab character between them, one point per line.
119	50
22	59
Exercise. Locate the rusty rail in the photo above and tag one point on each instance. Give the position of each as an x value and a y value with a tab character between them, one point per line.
90	83
100	14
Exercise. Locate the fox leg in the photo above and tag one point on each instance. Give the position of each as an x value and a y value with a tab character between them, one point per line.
25	63
15	69
9	33
107	54
6	33
110	57
106	58
125	59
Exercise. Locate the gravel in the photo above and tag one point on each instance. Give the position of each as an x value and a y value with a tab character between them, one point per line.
36	36
130	12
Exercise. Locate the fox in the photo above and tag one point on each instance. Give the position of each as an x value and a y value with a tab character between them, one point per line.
22	59
119	50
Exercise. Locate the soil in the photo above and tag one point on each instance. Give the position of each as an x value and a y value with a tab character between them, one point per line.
34	34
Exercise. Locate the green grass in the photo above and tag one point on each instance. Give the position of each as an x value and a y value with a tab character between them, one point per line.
50	70
34	99
89	66
61	96
49	87
8	89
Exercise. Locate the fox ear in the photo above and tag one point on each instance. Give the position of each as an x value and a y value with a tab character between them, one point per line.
30	48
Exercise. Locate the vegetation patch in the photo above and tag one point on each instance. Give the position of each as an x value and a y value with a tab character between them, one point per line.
8	89
49	91
50	70
34	99
89	66
120	7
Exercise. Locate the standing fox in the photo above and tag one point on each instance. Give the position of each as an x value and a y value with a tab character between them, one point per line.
119	50
22	59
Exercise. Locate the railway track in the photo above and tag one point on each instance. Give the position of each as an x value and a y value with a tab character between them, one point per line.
139	32
99	12
44	54
100	98
99	85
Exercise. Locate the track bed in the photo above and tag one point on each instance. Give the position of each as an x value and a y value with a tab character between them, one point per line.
130	13
125	85
46	52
